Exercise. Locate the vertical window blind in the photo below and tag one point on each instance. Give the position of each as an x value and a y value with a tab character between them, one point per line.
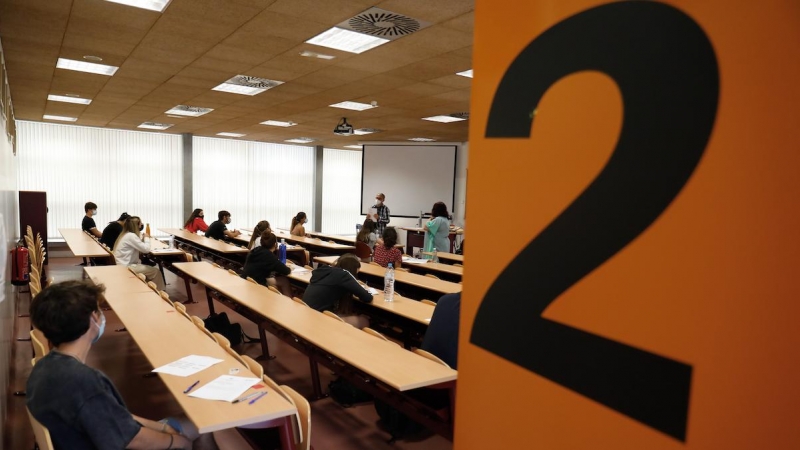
253	181
341	191
121	171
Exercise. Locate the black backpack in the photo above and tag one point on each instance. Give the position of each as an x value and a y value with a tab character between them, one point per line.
219	323
396	423
345	394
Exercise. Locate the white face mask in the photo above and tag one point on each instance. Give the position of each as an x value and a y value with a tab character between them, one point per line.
378	202
94	212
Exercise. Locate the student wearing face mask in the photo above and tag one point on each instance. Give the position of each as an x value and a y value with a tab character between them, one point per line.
381	216
218	229
265	268
78	404
196	222
255	238
129	247
297	228
88	222
112	231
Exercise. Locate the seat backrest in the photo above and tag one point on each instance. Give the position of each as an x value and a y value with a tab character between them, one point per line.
363	251
377	334
430	275
333	315
181	308
275	290
299	301
252	280
430	356
233	272
152	286
235	355
254	366
427	302
165	297
458	265
199	323
40	433
304	411
141	277
40	347
222	340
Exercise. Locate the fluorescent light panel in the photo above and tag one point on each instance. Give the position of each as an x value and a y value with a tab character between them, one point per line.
444	119
155	126
301	140
191	111
346	40
466	73
152	5
61	118
355	106
231	134
353	146
309	54
278	123
421	139
363	131
65	99
83	66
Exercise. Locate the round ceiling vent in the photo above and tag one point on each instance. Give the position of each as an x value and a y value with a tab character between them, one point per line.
384	24
255	82
460	115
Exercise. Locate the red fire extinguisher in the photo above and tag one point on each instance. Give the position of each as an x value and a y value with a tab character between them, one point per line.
20	274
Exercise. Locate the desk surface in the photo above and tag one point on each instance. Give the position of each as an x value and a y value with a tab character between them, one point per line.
449	257
81	244
411	279
383	360
422	230
211	244
152	322
435	267
350	240
244	238
319	243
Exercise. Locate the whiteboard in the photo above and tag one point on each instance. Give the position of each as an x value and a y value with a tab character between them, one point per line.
413	177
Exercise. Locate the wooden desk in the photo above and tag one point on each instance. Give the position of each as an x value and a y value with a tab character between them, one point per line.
318	245
346	240
415	237
447	270
82	245
448	257
411	279
208	243
152	322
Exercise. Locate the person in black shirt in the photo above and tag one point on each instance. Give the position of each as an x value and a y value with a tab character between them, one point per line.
88	223
330	283
441	338
262	265
78	404
218	230
112	231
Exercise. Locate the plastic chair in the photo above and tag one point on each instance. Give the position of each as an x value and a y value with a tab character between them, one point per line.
141	277
40	349
430	275
222	340
233	272
40	433
165	297
299	301
430	356
199	324
363	251
304	413
251	280
235	355
254	366
427	302
152	286
333	315
275	290
181	308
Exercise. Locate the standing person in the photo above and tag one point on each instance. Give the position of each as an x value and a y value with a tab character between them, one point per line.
381	215
88	224
330	283
437	230
297	228
367	234
112	231
79	405
130	245
385	250
218	230
265	268
255	239
196	222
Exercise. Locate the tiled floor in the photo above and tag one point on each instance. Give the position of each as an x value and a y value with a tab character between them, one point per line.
117	355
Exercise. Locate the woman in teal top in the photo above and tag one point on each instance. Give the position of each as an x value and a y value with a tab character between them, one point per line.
437	229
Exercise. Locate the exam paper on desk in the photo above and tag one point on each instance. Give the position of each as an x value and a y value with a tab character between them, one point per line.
226	388
188	365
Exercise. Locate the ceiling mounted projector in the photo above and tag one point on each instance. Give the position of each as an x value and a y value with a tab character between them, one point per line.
343	128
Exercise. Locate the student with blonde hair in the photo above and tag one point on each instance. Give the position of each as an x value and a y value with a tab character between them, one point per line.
129	247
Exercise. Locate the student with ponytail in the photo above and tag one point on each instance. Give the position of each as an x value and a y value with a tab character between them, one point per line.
297	228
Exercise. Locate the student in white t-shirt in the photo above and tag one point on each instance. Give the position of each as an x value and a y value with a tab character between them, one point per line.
130	245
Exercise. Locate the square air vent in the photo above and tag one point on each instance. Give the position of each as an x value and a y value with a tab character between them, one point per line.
192	111
246	85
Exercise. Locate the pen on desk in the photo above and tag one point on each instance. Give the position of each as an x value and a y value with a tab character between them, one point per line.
256	399
191	387
246	397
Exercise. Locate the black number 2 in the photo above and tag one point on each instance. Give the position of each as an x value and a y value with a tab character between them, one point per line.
666	71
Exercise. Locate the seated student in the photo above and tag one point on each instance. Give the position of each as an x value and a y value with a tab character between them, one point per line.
78	404
128	247
112	231
196	222
218	230
385	251
441	338
262	265
297	228
330	283
367	234
255	238
88	223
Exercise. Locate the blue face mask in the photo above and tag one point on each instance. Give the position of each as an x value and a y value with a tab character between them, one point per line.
102	327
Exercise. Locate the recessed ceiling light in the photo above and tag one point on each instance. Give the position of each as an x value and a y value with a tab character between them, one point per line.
444	119
346	40
278	123
301	140
309	54
191	111
354	146
231	134
245	85
420	139
355	106
466	73
152	5
68	99
92	58
81	66
363	131
155	125
61	118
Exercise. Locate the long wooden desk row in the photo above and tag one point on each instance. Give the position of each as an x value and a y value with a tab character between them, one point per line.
379	367
152	322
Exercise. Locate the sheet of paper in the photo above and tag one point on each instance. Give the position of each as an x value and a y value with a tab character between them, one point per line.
188	365
373	291
225	387
373	211
299	269
414	260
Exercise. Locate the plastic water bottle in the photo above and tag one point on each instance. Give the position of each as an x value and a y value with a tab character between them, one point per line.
435	256
388	284
282	251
